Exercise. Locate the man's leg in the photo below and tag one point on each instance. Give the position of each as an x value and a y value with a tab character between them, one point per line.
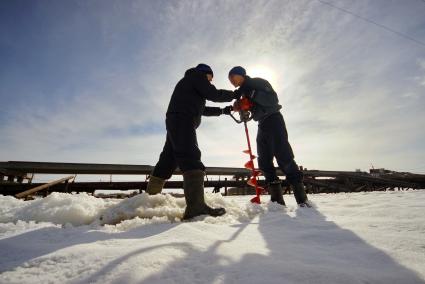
167	163
184	142
163	169
285	159
265	163
265	156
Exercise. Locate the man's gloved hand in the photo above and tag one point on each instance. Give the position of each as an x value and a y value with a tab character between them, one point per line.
227	110
236	105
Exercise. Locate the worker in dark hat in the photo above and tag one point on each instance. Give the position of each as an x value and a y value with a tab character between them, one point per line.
272	136
183	117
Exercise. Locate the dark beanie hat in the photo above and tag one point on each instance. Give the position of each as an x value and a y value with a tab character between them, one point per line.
204	68
237	70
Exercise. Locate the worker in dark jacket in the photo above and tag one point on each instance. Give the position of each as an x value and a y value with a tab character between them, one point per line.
272	137
183	117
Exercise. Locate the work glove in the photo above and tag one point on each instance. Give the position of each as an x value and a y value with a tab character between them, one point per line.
236	106
227	110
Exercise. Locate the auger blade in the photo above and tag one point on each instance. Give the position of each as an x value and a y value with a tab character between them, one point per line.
256	199
252	182
262	190
249	165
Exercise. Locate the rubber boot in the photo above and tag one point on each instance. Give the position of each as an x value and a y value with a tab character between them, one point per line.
155	185
193	185
300	195
276	192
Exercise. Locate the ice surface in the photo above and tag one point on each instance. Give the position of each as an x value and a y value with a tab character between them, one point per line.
347	238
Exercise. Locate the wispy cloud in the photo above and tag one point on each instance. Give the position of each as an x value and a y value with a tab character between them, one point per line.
352	93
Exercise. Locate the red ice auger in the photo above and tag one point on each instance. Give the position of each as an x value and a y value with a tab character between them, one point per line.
243	107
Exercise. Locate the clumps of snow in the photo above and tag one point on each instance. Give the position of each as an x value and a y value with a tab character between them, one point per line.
127	225
145	206
237	212
8	208
83	209
164	208
57	208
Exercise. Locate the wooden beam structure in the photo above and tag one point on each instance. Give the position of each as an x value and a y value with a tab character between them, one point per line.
316	181
100	169
43	186
14	189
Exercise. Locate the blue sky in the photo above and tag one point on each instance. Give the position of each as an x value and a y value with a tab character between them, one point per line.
89	81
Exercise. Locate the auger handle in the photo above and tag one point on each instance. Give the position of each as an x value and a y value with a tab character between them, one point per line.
241	115
238	121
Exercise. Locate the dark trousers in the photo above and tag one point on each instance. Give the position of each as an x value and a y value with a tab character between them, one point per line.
181	147
272	142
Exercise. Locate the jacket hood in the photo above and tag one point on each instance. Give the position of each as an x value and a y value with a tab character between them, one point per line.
191	71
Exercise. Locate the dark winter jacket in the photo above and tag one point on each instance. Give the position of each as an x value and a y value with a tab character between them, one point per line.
191	93
261	93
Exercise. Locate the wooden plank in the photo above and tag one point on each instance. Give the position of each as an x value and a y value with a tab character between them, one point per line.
121	185
107	169
360	188
75	168
122	169
41	187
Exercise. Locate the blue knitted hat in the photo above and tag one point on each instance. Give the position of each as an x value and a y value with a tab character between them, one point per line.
237	70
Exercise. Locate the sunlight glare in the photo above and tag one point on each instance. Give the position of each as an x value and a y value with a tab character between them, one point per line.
262	71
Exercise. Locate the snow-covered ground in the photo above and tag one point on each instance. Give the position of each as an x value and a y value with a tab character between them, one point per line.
347	238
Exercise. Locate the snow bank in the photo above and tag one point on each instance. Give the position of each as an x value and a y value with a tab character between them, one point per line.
146	207
57	208
83	209
171	209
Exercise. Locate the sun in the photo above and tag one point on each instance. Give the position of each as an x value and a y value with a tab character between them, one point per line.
262	71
